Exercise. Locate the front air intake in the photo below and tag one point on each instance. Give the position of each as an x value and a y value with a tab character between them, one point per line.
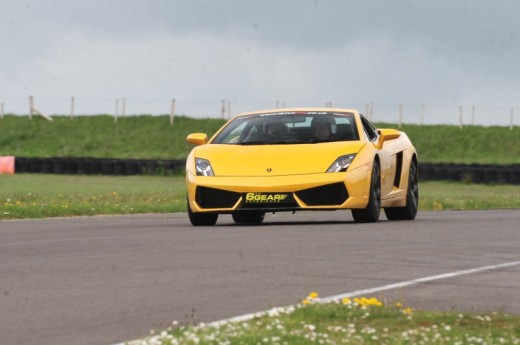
215	198
331	194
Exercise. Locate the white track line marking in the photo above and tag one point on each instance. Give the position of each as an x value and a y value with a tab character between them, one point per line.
374	290
418	281
339	297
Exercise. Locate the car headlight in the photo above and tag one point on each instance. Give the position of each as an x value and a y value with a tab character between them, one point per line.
203	167
341	164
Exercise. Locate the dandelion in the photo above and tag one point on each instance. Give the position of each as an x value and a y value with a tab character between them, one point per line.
407	311
313	295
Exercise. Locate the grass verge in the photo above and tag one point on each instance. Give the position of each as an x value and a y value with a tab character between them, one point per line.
39	196
356	321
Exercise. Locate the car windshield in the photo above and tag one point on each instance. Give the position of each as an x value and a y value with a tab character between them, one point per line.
292	127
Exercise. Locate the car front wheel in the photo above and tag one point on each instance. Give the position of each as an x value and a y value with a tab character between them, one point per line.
370	214
201	219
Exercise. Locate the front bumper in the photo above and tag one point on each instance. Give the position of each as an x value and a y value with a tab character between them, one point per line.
323	191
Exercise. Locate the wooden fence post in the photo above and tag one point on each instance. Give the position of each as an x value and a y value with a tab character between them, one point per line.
461	117
72	107
172	112
33	109
117	110
511	118
31	106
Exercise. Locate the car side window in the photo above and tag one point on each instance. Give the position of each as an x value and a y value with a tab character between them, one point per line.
369	129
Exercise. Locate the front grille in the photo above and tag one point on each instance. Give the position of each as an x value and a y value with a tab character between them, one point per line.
331	194
215	198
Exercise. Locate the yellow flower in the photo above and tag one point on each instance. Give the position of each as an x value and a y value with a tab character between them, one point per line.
408	311
374	302
346	300
365	302
313	295
438	206
398	305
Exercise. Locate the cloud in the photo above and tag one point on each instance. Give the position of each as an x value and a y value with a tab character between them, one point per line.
257	52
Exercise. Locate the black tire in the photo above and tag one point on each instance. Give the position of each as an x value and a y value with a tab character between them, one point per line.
408	212
248	217
370	214
202	219
21	165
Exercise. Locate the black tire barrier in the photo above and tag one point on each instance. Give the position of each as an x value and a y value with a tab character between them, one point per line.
35	165
83	166
513	175
95	165
119	167
132	167
21	165
47	166
107	167
59	166
71	166
473	173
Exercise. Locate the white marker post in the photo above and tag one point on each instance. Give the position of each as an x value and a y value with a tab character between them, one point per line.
172	112
461	117
72	107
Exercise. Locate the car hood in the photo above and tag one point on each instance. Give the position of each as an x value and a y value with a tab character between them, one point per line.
274	160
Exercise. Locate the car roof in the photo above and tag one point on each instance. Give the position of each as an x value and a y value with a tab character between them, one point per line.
282	110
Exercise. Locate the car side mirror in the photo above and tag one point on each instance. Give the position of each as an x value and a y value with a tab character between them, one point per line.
197	138
386	135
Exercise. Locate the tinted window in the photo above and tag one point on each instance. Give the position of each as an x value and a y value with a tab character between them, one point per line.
289	128
369	129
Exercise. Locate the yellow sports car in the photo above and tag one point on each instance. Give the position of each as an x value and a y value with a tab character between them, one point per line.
301	159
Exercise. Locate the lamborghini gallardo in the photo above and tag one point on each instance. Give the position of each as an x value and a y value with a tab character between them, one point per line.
301	159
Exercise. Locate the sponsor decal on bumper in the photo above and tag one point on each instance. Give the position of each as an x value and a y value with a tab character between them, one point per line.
268	198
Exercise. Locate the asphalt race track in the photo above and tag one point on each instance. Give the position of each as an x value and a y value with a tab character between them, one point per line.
109	279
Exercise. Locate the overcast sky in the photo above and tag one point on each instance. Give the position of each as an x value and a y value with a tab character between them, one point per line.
441	53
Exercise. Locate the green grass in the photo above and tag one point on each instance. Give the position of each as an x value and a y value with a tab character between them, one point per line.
143	137
462	196
153	137
39	196
471	144
351	323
